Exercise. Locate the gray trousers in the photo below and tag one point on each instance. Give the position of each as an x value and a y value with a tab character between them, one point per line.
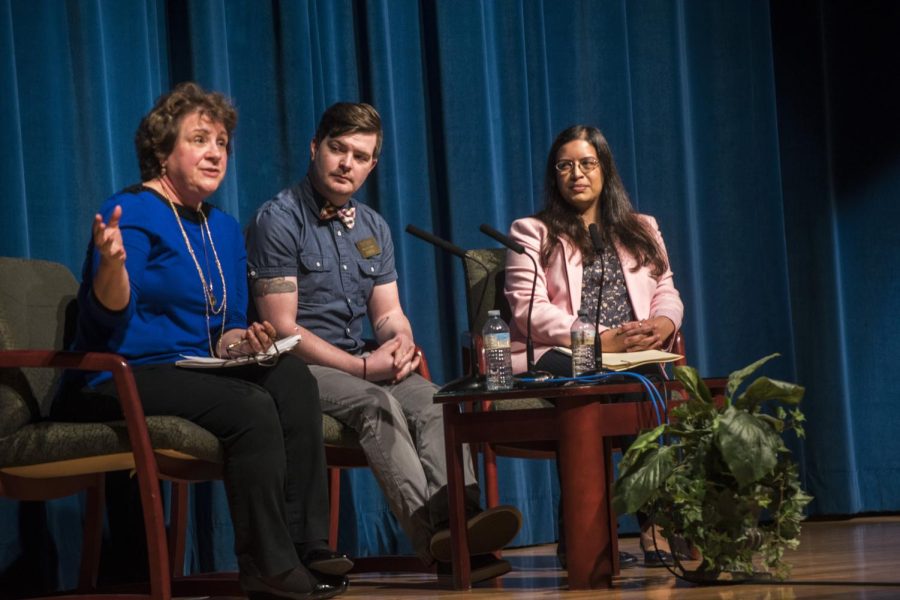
401	431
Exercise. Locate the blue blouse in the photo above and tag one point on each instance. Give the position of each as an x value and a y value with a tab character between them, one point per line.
165	317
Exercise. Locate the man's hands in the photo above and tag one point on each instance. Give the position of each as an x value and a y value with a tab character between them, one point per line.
394	360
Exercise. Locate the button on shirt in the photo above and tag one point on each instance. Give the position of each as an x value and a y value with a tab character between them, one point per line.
335	279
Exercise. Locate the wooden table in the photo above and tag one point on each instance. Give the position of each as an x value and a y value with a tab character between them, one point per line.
583	421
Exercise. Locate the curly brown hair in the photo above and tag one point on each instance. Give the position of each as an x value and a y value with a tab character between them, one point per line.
156	135
617	219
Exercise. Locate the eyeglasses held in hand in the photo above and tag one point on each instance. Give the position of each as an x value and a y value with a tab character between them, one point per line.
587	164
267	358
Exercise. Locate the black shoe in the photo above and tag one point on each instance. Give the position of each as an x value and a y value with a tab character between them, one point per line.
654	559
483	567
489	531
325	561
295	584
340	583
626	560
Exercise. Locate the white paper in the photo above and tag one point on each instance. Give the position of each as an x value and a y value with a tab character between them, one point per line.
209	362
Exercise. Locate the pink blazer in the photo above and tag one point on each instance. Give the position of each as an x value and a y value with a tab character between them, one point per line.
557	296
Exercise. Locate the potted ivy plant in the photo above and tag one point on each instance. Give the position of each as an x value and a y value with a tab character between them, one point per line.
719	476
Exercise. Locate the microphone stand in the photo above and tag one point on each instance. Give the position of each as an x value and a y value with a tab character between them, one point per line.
532	373
472	379
599	245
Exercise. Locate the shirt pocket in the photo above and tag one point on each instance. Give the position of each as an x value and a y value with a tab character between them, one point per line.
318	281
369	270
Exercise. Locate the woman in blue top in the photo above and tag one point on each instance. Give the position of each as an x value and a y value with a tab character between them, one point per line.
165	276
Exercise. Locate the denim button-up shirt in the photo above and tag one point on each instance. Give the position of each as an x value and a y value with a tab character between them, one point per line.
336	268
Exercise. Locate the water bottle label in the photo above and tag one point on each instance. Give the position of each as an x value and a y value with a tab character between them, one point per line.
496	341
582	338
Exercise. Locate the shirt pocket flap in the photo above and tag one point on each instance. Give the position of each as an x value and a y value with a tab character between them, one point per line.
316	263
371	267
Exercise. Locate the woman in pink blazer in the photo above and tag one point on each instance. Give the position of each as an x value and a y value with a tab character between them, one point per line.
640	308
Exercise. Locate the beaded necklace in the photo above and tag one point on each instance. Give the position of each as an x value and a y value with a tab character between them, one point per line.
209	302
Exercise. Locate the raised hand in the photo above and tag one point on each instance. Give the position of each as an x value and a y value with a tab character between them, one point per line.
108	237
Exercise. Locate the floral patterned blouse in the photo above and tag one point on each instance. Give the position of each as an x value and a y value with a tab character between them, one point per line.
615	306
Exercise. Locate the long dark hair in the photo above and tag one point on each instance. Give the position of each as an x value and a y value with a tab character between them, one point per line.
618	220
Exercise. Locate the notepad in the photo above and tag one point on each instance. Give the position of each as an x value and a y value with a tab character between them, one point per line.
209	362
622	361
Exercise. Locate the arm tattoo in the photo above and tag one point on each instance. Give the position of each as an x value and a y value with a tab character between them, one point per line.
381	323
276	285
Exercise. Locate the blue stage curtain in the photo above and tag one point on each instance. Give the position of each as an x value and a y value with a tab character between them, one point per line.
762	137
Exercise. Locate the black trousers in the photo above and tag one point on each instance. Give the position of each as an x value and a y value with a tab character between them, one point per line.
270	423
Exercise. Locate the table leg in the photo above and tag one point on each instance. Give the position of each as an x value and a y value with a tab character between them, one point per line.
459	538
583	462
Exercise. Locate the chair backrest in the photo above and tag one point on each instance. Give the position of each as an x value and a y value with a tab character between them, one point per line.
485	273
37	310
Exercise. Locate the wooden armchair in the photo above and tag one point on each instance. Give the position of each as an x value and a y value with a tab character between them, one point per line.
40	460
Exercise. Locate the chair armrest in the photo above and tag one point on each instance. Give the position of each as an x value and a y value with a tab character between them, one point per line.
123	377
678	348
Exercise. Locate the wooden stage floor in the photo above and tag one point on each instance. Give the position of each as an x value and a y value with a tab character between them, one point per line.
854	558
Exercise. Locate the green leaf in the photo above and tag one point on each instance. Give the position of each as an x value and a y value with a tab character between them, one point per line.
693	383
748	445
646	441
631	493
764	389
737	377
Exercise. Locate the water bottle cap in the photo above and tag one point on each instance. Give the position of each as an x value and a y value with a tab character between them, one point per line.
494	313
582	312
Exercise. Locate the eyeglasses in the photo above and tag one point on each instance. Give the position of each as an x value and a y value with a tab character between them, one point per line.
266	358
587	164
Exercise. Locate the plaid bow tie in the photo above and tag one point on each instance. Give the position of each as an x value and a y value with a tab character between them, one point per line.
347	214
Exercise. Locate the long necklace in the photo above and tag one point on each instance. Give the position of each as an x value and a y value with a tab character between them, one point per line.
209	299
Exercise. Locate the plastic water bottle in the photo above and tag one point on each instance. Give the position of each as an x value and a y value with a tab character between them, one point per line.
583	333
497	359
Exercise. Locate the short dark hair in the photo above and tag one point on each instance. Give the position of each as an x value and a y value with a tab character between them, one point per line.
343	118
156	135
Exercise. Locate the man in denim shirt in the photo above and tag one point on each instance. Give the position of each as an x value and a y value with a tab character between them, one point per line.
319	262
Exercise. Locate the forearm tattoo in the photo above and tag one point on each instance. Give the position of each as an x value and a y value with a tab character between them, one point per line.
275	285
381	323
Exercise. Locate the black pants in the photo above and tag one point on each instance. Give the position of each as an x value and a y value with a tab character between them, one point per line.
270	423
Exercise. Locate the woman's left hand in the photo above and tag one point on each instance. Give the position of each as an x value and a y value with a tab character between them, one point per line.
646	335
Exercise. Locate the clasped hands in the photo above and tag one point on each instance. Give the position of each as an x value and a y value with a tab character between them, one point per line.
394	360
649	334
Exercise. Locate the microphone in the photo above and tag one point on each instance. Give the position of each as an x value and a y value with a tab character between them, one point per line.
516	247
472	380
436	241
597	241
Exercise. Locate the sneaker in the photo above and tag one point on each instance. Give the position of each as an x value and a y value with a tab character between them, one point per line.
481	568
489	531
